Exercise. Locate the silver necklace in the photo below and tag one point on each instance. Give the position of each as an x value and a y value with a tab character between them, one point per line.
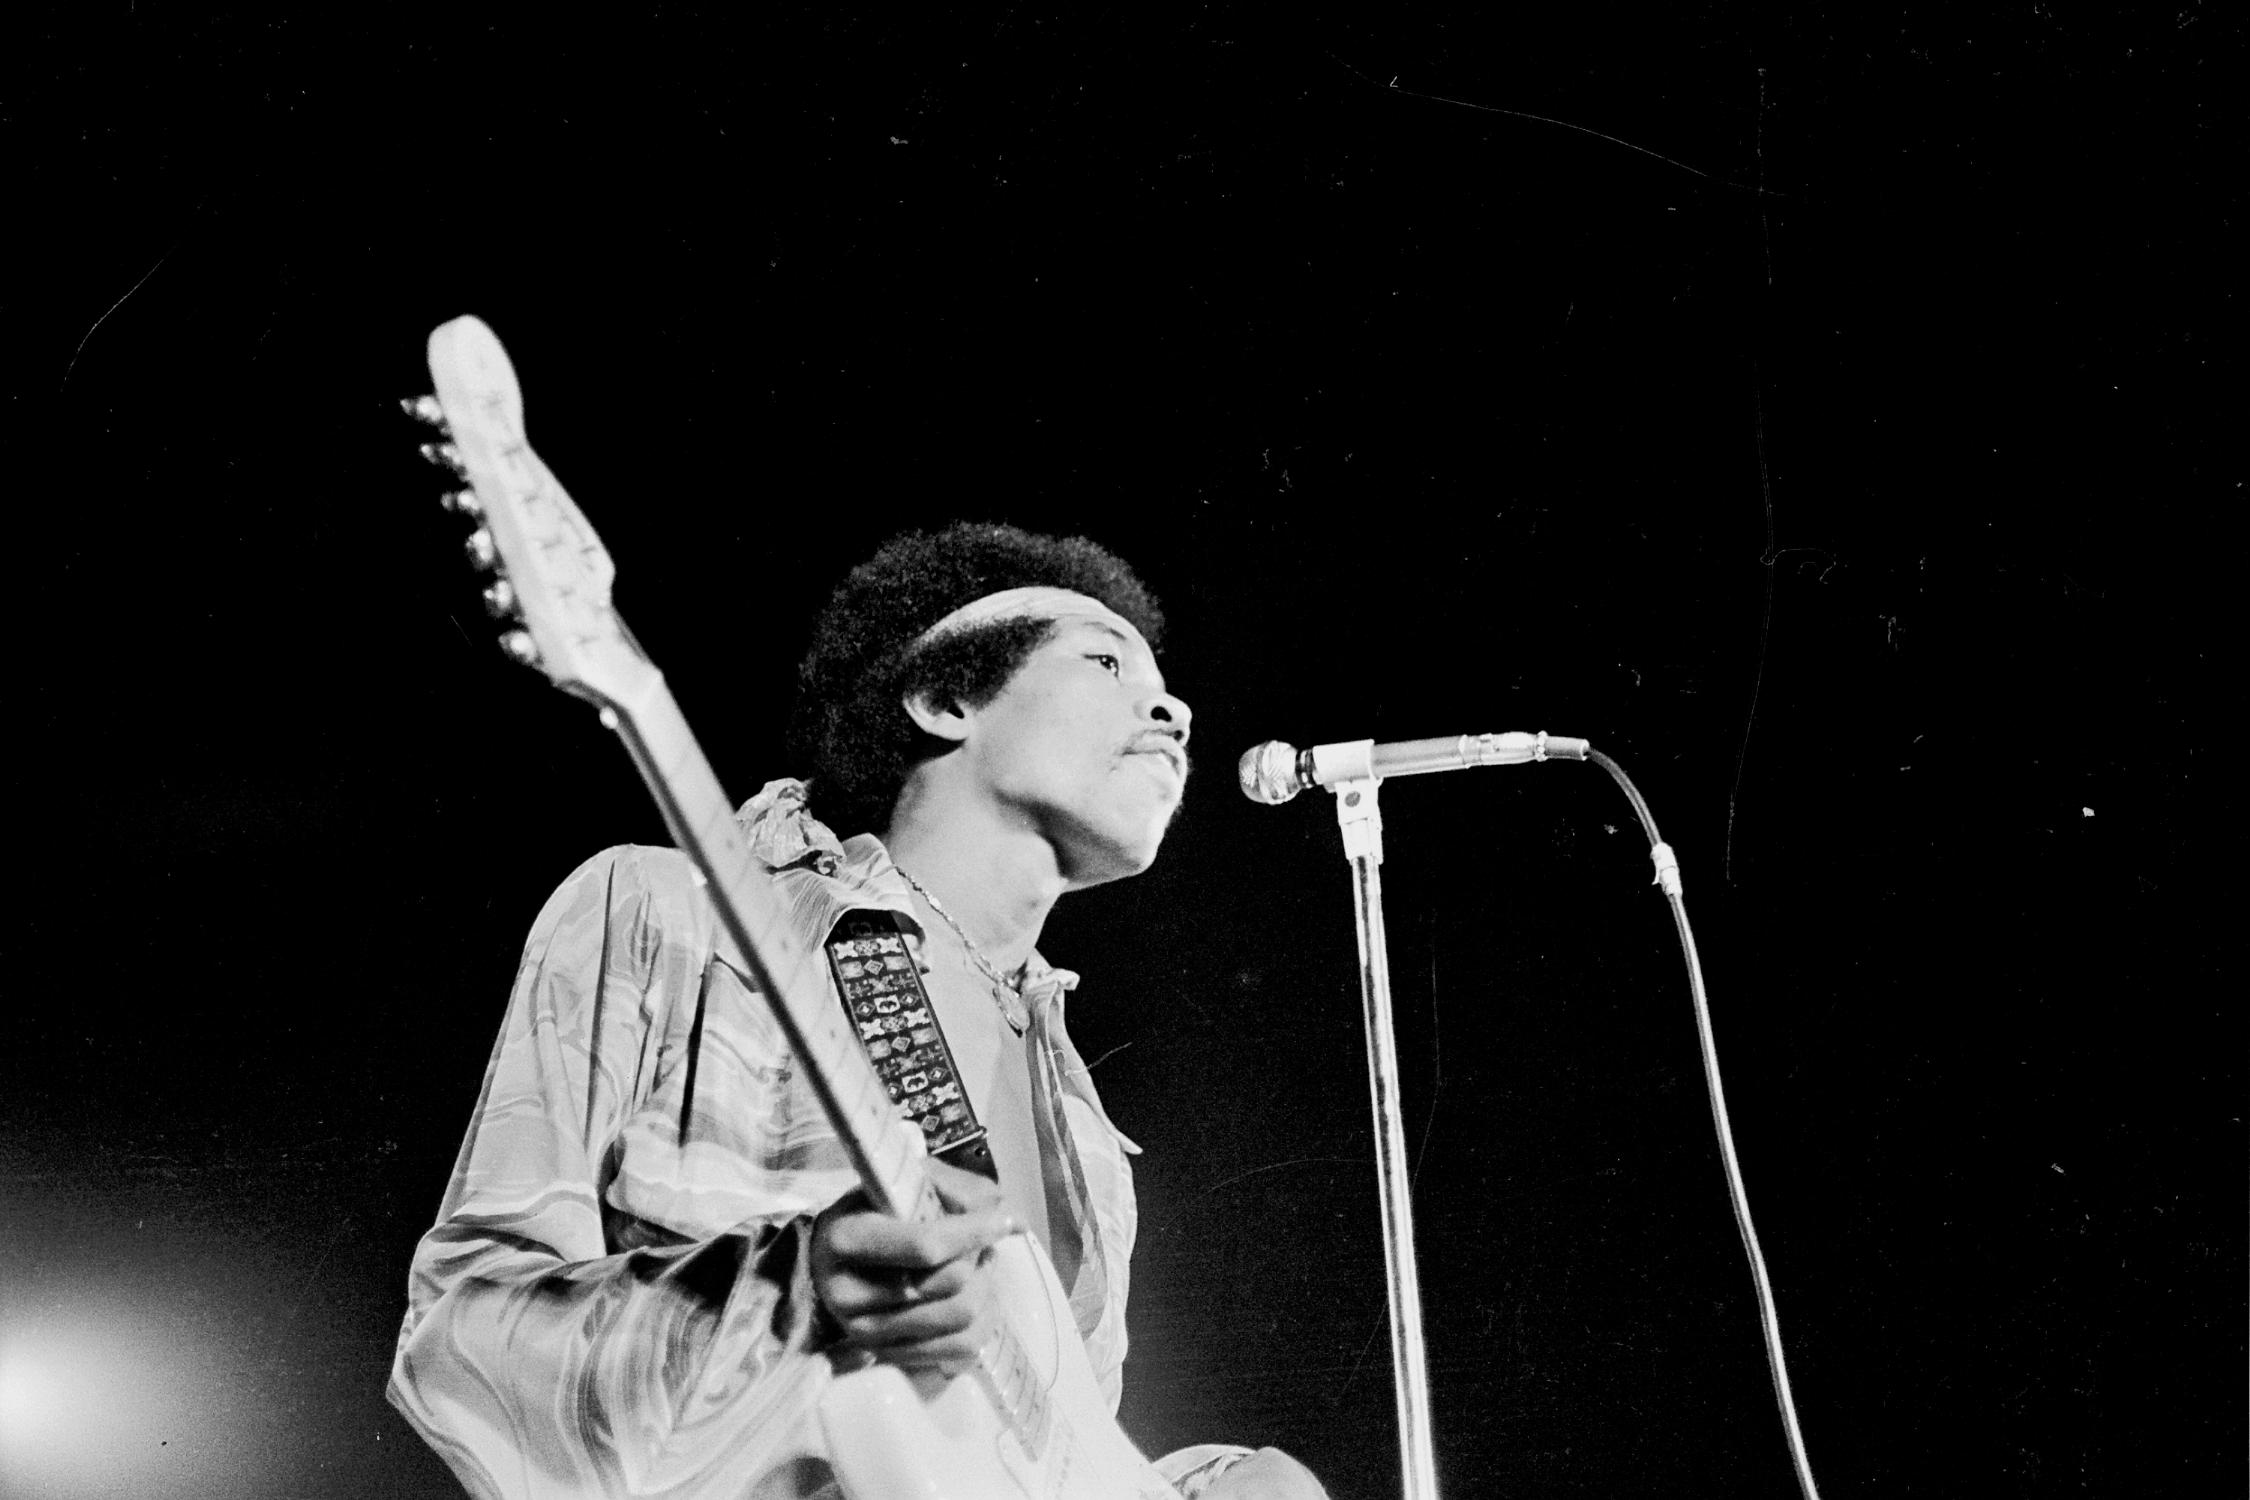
1007	993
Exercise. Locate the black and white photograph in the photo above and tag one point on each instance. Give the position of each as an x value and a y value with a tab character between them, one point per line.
1200	752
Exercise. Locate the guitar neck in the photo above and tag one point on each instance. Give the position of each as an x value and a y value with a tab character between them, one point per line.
784	966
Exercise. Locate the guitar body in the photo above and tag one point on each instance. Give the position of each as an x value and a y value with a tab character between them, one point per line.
892	1437
1029	1422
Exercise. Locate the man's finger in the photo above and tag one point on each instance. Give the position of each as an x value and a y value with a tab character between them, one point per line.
916	1245
849	1292
963	1191
922	1323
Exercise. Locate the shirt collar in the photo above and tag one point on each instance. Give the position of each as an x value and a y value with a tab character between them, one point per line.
826	876
855	872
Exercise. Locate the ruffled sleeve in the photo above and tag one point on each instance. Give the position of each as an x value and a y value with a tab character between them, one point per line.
615	1298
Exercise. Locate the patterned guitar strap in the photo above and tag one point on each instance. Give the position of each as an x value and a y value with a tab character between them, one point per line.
890	1008
896	1024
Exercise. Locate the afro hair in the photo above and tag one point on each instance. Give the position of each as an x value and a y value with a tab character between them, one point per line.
849	731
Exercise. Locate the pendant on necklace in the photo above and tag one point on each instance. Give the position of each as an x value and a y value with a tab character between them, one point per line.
1009	997
1012	1008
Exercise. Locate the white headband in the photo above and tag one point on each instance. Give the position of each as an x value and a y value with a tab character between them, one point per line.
1038	600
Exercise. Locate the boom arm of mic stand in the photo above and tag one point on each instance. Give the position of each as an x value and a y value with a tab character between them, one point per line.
1361	820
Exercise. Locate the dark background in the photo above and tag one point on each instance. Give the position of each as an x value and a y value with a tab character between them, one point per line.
1827	410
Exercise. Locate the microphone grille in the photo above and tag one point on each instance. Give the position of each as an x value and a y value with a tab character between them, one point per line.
1268	772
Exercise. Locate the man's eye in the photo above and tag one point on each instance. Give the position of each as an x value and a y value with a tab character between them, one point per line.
1113	665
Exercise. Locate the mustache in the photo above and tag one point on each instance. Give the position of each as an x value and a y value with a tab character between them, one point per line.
1158	742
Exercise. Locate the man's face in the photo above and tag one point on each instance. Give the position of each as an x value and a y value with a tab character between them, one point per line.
1085	745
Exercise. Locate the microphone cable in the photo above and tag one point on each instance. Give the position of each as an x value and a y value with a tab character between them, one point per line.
1769	1321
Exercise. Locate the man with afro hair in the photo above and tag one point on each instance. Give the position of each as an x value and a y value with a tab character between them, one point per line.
653	1253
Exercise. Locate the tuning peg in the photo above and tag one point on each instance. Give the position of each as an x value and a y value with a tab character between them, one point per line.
462	502
520	648
500	599
424	409
445	456
480	548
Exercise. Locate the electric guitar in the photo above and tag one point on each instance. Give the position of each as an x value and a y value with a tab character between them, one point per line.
1029	1419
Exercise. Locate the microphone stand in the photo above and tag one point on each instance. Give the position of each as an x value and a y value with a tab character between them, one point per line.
1362	823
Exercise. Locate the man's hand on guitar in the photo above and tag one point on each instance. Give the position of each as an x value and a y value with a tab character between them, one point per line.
913	1293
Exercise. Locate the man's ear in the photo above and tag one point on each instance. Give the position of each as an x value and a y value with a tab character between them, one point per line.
937	716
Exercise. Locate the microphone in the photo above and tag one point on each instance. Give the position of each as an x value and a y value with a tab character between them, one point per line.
1275	772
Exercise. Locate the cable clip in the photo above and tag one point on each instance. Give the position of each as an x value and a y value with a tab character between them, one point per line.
1667	868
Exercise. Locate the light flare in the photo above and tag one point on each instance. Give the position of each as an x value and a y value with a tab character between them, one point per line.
102	1399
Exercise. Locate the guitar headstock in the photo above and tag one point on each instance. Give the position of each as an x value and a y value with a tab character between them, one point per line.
551	574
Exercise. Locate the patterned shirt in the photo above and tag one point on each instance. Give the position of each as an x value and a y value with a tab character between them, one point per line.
616	1299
